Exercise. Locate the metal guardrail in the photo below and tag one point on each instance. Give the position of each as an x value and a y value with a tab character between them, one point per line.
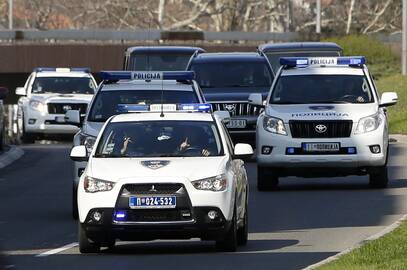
142	35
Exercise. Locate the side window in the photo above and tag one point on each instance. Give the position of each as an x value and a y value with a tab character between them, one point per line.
229	142
374	86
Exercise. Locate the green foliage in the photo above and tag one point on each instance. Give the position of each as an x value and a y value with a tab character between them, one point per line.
381	61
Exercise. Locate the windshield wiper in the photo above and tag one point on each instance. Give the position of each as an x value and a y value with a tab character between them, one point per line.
287	103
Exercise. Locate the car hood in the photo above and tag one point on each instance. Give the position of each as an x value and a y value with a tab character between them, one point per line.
62	98
321	112
191	168
224	94
92	128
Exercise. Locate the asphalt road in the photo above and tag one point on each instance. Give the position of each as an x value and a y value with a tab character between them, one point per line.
303	223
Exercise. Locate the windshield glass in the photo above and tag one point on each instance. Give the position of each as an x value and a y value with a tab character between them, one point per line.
106	102
274	58
232	74
305	89
160	139
63	85
159	61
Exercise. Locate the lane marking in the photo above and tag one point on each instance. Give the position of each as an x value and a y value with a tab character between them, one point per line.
57	250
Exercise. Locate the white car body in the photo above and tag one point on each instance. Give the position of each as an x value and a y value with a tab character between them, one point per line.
43	121
177	170
288	156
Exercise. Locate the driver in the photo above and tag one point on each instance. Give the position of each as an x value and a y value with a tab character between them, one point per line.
190	142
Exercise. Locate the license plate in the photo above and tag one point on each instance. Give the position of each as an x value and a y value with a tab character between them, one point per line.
320	147
153	202
236	123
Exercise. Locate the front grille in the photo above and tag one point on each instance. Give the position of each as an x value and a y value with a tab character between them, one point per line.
334	129
61	108
138	189
237	108
148	215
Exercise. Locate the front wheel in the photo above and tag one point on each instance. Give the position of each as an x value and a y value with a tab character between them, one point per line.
229	242
86	246
243	232
267	179
378	177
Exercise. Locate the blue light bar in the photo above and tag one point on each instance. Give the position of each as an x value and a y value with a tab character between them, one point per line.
147	75
203	107
120	215
190	107
125	108
326	61
53	69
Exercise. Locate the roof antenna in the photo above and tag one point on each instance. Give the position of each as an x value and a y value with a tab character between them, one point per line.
148	46
162	97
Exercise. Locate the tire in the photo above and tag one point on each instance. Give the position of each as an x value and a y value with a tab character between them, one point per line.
243	232
229	242
75	213
378	177
86	246
266	179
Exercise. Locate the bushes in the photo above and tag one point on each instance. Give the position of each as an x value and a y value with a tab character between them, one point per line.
381	61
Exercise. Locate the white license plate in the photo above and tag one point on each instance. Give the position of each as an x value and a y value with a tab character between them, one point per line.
236	123
145	202
320	147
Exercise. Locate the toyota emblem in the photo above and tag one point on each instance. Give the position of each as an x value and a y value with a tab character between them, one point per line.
320	128
230	107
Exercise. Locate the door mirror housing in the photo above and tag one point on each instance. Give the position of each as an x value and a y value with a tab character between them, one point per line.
20	91
243	151
224	116
3	92
256	99
73	117
79	153
388	99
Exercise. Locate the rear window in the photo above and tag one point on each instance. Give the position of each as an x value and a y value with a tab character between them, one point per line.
159	61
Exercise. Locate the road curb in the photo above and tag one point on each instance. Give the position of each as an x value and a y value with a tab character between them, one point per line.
383	232
10	156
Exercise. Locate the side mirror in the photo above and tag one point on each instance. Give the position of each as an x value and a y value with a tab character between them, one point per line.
79	153
20	91
3	92
224	116
73	117
256	99
388	99
243	151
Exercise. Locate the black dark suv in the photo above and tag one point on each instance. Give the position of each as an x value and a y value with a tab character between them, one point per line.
227	80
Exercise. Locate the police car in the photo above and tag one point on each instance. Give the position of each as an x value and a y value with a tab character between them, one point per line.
128	87
163	175
323	117
47	94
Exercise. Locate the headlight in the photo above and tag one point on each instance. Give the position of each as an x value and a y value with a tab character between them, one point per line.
274	125
369	123
93	185
87	140
216	183
37	105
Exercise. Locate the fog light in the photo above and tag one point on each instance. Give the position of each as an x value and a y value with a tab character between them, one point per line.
375	149
97	216
31	121
290	150
266	150
120	215
212	214
351	150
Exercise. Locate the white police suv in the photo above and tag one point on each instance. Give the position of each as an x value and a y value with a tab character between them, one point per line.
170	173
122	88
323	117
47	94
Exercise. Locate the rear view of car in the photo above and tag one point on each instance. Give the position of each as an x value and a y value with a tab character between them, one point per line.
163	58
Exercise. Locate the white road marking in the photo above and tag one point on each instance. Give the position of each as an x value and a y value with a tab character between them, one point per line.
57	250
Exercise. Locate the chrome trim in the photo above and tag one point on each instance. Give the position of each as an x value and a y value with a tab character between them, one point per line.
192	221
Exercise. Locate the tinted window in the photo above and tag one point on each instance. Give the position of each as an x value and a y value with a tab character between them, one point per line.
300	89
106	102
232	74
274	58
160	139
63	85
159	61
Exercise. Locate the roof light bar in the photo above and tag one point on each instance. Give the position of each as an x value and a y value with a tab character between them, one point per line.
322	61
190	107
53	69
147	75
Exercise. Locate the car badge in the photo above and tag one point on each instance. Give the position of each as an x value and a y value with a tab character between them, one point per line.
66	108
155	164
152	189
320	128
230	107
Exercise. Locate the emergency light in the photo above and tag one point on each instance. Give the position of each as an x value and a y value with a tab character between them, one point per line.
190	107
50	69
147	75
322	61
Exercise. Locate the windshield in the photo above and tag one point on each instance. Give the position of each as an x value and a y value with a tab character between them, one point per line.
274	58
305	89
159	61
160	139
63	85
232	74
106	102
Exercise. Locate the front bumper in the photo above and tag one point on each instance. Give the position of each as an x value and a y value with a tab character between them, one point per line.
44	123
244	135
196	226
